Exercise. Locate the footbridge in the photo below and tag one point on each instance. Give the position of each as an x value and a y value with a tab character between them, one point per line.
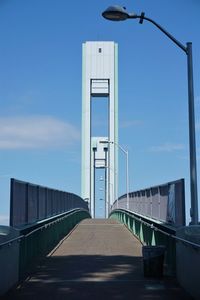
55	250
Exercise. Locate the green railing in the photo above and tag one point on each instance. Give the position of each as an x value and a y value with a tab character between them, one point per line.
151	233
38	240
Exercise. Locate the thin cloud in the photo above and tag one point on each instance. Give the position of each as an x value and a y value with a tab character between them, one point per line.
4	219
35	132
167	147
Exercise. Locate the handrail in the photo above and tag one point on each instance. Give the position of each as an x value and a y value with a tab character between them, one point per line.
55	221
42	227
194	245
11	241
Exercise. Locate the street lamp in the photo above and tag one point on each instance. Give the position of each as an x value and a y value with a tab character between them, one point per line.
117	13
107	204
127	169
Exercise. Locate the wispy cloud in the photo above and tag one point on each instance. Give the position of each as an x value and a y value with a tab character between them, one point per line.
132	123
167	147
33	132
4	219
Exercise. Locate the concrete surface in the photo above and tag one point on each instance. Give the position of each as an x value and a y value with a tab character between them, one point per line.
100	259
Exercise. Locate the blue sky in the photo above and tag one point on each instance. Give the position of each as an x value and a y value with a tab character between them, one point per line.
40	91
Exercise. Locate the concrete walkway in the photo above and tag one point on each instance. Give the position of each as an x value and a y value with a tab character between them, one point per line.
100	259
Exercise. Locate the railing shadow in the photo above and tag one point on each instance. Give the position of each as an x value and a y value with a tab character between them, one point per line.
94	277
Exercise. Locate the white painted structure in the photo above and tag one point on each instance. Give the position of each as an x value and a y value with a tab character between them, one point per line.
99	79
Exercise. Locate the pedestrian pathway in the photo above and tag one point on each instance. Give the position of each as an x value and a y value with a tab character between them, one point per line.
100	259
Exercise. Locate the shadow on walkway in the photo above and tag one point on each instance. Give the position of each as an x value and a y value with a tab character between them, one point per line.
95	277
100	259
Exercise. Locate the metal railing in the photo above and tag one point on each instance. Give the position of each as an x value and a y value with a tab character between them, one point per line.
37	242
20	254
165	203
155	215
10	242
151	232
30	203
173	236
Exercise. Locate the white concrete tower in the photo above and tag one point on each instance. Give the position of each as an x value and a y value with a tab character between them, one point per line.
99	83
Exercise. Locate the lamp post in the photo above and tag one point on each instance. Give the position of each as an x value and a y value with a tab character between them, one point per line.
127	169
107	204
117	13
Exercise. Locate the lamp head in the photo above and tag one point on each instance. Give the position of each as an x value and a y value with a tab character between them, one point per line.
115	13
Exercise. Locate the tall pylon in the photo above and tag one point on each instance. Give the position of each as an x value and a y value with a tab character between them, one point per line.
99	83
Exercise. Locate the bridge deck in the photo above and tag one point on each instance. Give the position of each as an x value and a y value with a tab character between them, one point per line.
100	259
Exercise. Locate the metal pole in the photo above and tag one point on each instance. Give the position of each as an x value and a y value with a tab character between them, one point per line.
127	170
105	191
117	192
191	112
109	189
94	184
127	181
116	182
106	181
192	141
127	173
